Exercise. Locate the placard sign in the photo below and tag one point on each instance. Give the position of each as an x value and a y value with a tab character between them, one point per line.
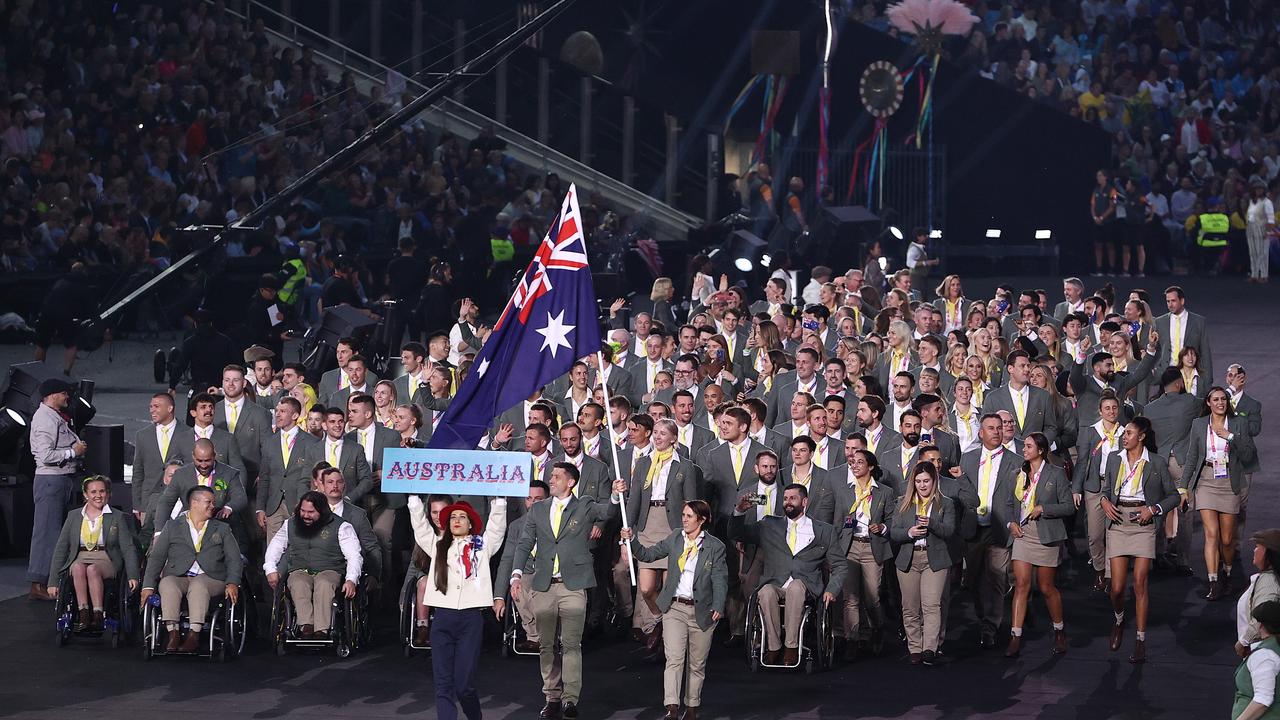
456	472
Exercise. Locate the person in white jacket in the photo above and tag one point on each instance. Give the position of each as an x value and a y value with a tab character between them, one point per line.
459	588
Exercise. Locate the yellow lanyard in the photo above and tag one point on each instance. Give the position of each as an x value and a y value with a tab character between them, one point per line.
198	542
1130	480
861	501
922	508
689	547
1025	489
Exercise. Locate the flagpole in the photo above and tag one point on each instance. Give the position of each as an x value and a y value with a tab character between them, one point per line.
613	446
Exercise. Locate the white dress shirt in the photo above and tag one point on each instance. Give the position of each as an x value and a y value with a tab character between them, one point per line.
161	431
804	535
347	541
684	587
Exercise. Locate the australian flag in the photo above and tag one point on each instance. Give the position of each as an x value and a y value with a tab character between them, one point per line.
549	323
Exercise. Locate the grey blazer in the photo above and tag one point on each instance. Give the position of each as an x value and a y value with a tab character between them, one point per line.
682	486
699	436
1251	410
502	581
1240	453
173	553
942	526
253	422
1157	484
721	489
817	481
355	469
231	493
368	541
1054	494
1171	415
1195	335
770	533
621	383
1088	468
148	463
593	481
1039	416
330	381
890	457
383	438
1089	392
834	506
278	484
225	446
710	577
118	539
576	569
1001	511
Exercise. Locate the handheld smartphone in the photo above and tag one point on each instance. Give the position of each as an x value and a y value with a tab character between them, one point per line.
1002	306
810	325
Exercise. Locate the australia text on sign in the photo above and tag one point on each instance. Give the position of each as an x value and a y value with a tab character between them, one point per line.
456	472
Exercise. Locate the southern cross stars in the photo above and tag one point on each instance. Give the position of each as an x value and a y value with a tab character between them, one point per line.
555	334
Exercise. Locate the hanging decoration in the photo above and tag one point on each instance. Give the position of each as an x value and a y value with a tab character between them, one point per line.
774	91
824	101
930	21
881	90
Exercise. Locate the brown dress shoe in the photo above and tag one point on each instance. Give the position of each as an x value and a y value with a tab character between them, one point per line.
772	657
190	643
1117	634
528	646
917	658
791	656
307	632
320	635
97	620
38	592
653	638
690	713
172	642
1060	642
421	635
551	711
85	618
672	713
1015	646
1139	652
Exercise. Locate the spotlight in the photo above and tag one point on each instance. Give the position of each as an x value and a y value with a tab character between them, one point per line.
895	231
743	264
11	423
1044	234
993	233
884	263
935	234
766	260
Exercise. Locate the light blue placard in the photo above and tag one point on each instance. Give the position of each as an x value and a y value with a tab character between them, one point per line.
456	472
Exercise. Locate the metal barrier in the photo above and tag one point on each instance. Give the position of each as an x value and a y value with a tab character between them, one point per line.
905	190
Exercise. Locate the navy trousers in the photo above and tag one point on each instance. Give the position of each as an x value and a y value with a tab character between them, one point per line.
456	636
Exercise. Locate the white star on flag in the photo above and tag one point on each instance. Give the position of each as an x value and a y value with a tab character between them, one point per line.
556	333
484	365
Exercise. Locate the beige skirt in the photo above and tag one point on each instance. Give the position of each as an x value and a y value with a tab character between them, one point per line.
1215	493
1129	539
1028	548
98	559
656	529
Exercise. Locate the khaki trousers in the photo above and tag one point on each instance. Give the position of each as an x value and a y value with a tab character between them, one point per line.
524	603
313	596
1097	529
567	609
276	520
769	596
681	636
922	590
748	578
861	589
987	574
199	590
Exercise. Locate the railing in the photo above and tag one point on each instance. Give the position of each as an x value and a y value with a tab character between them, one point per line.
905	189
665	221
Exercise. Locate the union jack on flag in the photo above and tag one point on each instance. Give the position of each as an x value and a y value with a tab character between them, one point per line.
550	322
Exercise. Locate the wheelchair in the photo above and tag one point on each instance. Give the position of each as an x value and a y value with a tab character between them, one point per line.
226	627
817	635
513	632
408	600
349	627
120	612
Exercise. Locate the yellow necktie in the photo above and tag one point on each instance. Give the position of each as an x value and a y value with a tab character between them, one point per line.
768	384
333	453
1019	406
285	449
205	481
684	435
984	481
684	556
768	500
791	537
164	443
537	469
737	462
660	458
857	322
1175	345
820	459
556	513
897	361
235	415
413	386
343	381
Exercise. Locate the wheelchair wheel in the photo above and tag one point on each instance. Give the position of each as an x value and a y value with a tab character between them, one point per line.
827	637
347	630
150	630
753	634
281	621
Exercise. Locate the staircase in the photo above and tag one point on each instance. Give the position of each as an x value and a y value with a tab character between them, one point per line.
664	221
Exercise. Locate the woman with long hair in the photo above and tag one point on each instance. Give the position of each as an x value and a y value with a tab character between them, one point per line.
983	344
865	509
976	317
1219	449
1137	492
951	302
1042	499
871	353
408	422
923	523
1188	358
384	403
458	586
662	295
976	370
1043	376
772	363
953	363
1048	335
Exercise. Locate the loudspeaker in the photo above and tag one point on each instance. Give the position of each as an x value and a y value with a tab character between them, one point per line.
775	52
345	321
17	514
841	234
105	451
23	390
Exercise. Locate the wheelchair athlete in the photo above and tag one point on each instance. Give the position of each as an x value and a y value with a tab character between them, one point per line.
195	557
320	550
96	544
795	549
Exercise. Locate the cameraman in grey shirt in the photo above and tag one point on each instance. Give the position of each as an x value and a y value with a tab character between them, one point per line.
57	453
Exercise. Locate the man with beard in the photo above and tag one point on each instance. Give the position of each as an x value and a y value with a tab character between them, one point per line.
322	548
1089	390
224	444
795	550
898	456
870	413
